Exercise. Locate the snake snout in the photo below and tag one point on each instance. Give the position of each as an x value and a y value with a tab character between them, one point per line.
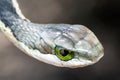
89	47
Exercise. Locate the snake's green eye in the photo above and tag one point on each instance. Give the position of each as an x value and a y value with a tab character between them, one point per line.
63	54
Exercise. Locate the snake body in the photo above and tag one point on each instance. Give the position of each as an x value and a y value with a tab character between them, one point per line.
40	40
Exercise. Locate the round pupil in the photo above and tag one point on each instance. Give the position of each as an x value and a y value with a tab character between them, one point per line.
64	52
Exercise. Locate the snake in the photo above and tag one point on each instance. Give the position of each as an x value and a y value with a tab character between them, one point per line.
61	45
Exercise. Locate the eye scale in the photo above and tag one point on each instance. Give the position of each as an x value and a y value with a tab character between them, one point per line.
63	54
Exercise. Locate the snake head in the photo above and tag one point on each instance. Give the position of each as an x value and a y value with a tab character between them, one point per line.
63	45
71	45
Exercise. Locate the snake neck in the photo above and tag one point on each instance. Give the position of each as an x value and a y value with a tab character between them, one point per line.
10	12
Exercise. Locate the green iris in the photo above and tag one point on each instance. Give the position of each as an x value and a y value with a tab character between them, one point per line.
63	53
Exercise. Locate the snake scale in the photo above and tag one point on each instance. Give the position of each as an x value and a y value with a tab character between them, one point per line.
62	45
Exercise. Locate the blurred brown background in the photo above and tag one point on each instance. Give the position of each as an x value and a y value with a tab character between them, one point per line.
101	16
